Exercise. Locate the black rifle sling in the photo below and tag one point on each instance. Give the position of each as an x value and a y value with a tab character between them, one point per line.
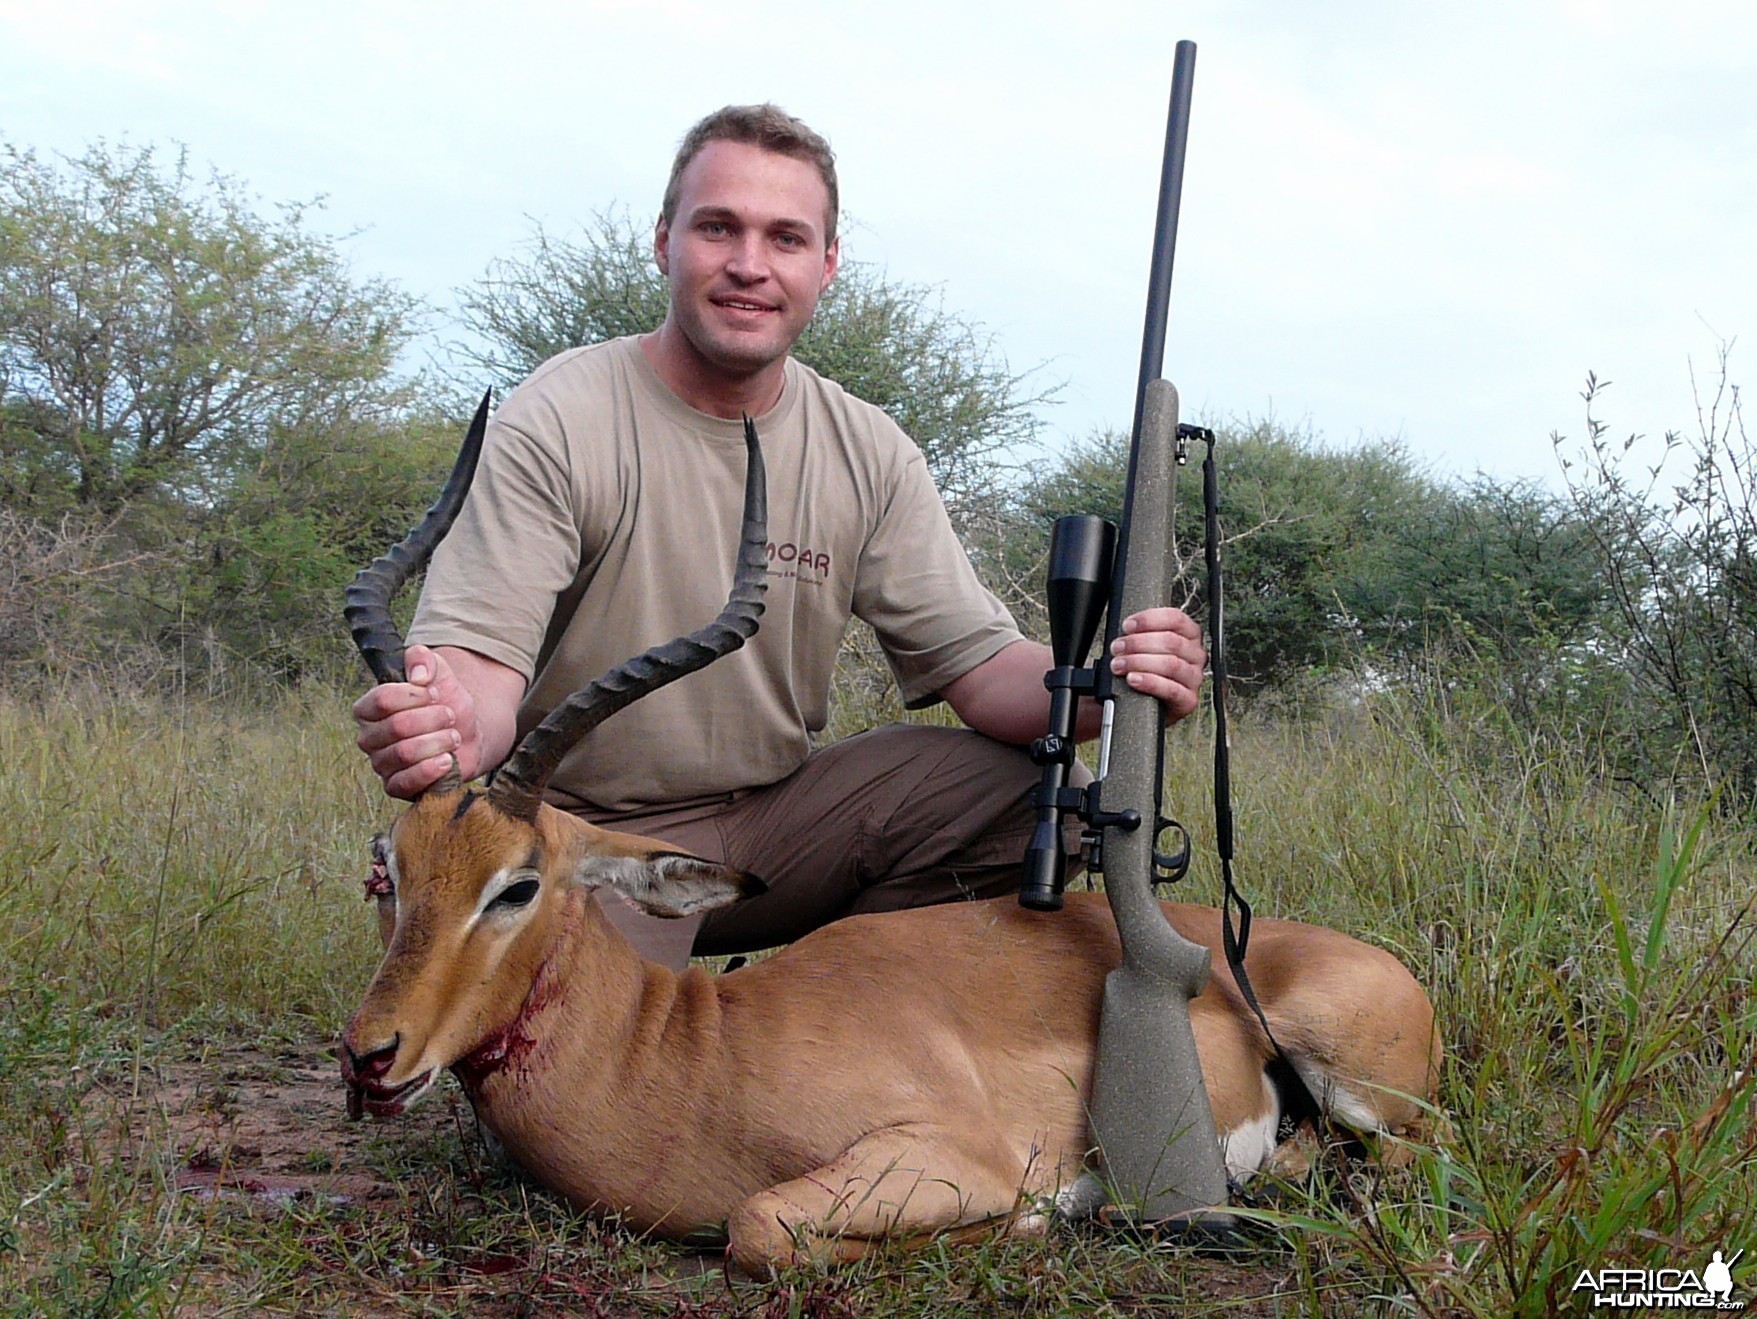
1299	1105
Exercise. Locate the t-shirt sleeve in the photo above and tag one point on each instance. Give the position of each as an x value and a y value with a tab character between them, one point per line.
515	547
915	585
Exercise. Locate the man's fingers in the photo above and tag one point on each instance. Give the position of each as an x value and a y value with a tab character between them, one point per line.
404	725
408	732
389	698
420	664
1159	668
1171	653
1160	643
1160	654
1163	618
1161	632
406	753
1179	699
412	782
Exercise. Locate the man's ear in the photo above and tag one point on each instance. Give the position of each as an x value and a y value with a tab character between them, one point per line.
662	246
669	884
832	262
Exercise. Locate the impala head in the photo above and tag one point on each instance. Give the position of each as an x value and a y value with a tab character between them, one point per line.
474	886
471	901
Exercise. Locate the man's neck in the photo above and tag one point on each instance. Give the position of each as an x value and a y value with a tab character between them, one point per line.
705	386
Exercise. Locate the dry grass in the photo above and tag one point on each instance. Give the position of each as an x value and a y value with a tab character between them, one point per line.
181	935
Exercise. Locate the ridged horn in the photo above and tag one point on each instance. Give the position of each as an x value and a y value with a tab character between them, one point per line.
369	595
518	786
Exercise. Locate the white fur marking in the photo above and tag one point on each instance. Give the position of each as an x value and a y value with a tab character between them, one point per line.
1247	1147
408	1099
664	885
1337	1100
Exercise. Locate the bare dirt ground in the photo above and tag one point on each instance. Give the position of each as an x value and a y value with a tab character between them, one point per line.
267	1127
381	1209
262	1132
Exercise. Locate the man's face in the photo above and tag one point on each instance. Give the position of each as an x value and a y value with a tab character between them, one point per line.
746	255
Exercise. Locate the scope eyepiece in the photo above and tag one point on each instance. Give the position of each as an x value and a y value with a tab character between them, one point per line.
1046	869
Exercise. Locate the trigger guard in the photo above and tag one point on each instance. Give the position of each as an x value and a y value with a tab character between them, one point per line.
1169	868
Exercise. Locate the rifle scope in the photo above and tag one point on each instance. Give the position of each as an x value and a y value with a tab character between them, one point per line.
1081	550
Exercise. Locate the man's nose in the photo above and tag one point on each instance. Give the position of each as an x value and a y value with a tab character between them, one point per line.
749	259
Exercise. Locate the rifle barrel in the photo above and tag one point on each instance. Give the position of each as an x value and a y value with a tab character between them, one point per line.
1171	186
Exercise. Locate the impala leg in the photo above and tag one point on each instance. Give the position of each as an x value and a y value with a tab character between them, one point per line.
906	1183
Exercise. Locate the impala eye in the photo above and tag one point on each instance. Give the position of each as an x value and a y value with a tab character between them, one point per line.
517	894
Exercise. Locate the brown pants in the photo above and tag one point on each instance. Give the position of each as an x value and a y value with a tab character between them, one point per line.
902	816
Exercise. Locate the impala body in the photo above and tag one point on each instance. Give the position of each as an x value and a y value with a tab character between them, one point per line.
904	1074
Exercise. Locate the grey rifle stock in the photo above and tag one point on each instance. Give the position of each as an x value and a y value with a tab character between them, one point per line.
1151	1120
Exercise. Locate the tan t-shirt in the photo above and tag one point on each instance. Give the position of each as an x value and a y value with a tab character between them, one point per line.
604	519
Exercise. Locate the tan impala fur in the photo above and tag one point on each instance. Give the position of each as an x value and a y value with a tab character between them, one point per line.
894	1075
900	1075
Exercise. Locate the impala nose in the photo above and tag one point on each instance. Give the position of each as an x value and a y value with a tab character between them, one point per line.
371	1065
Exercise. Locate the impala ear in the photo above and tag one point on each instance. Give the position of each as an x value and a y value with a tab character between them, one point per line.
669	884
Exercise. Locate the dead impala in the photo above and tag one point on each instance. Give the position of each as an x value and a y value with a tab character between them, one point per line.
898	1075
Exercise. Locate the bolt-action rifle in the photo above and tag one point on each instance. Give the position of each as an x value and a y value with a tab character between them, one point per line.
1151	1120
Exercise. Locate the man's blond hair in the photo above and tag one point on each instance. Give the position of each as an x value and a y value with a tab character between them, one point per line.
767	126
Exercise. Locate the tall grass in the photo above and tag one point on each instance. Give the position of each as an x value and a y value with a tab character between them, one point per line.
197	860
1590	956
178	878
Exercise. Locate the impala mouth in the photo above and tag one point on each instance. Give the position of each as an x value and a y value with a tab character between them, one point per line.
388	1100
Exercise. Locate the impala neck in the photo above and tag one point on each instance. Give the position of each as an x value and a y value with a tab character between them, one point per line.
594	1009
569	1086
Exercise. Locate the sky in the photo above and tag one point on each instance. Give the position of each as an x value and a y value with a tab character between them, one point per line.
1423	223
